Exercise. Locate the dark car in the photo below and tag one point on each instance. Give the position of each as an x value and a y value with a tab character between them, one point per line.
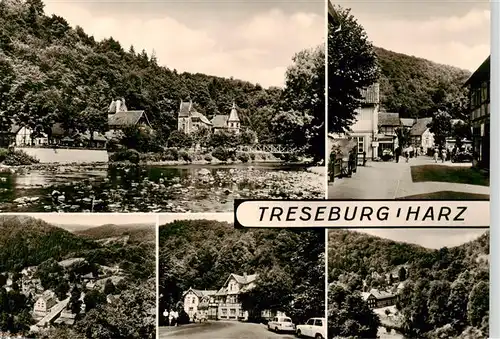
462	157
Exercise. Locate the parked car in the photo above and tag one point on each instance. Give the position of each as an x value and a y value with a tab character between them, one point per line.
313	328
281	324
462	157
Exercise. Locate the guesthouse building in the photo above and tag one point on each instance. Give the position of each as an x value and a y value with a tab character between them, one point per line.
479	113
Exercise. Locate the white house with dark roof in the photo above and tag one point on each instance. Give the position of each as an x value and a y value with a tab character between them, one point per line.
421	136
387	125
226	122
223	303
44	304
364	131
119	117
190	120
197	301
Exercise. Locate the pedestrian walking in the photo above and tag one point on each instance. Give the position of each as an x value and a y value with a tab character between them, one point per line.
407	155
436	155
443	155
398	153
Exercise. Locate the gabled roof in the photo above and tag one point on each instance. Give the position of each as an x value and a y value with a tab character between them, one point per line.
123	119
203	118
185	109
222	291
407	122
388	119
420	126
371	94
381	294
242	279
220	121
233	116
201	293
481	74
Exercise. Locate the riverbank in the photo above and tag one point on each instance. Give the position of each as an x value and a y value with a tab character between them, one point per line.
101	187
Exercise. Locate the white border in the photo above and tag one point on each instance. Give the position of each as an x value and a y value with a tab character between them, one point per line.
494	168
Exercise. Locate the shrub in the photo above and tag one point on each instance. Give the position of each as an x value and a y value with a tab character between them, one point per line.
171	154
223	154
126	155
208	157
17	158
252	156
3	154
185	156
243	157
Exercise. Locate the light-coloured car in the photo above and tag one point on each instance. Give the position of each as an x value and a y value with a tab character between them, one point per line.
281	324
313	328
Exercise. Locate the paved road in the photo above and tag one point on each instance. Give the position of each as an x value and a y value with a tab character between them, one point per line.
391	180
221	330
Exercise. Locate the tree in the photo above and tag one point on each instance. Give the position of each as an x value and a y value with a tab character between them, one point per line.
441	127
478	306
304	92
352	66
75	303
402	273
179	139
461	131
290	128
403	135
93	299
109	287
349	315
62	290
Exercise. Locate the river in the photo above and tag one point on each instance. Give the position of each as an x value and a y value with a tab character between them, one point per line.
185	188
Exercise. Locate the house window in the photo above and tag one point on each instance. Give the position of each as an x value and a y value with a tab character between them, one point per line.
224	311
361	144
194	300
191	309
233	311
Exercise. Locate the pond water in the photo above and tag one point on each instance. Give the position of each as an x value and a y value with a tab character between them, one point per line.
187	188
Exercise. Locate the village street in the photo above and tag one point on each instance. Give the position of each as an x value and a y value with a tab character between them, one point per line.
221	330
391	180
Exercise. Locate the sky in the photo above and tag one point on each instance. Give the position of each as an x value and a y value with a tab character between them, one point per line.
452	32
252	40
430	238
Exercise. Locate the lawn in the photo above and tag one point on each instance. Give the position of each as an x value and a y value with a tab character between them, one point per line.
440	173
447	195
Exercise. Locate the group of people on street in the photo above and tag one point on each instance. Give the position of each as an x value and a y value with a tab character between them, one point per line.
444	155
171	317
408	153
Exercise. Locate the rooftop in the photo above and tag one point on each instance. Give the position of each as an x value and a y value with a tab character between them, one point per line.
420	126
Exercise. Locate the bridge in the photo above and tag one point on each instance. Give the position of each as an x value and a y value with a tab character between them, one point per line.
268	148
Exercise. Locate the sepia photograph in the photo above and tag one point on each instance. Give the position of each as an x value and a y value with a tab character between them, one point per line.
216	281
186	107
396	284
77	276
408	100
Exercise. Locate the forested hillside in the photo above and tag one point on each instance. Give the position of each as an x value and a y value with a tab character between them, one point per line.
136	232
50	72
416	87
445	291
202	253
26	241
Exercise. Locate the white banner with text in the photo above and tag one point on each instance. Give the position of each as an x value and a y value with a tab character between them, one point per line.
386	213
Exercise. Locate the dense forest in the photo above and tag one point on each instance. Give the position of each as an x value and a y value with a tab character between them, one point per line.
445	294
51	72
202	253
416	87
27	241
135	232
